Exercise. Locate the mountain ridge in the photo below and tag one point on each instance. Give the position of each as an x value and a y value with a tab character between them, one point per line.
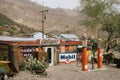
28	13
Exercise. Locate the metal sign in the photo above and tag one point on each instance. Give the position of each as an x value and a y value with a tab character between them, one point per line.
67	57
29	49
84	41
84	35
49	41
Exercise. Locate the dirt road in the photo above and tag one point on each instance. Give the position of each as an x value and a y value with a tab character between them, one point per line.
72	72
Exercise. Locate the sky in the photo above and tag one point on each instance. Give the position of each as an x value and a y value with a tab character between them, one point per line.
66	4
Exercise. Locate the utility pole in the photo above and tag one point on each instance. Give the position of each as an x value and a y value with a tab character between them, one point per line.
43	12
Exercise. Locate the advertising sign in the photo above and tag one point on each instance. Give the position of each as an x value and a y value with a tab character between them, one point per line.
28	51
49	41
67	57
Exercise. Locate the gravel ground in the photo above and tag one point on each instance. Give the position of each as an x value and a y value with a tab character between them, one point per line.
72	72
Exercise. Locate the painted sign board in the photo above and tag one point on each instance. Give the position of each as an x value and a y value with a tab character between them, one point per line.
28	51
67	57
49	41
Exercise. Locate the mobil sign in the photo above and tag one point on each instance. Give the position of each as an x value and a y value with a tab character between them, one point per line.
67	57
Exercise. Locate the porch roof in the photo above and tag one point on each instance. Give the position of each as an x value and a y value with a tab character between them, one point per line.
15	39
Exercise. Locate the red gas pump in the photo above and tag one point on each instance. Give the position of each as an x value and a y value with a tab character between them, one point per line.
84	61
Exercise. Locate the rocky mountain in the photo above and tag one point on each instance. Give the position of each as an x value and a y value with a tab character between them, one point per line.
28	13
8	27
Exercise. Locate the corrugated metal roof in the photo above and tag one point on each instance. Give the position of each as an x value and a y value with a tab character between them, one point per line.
69	36
35	33
6	38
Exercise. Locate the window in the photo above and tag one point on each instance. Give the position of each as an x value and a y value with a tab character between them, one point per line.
4	56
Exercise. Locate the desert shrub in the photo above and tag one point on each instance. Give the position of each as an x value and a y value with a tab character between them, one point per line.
35	66
3	70
22	66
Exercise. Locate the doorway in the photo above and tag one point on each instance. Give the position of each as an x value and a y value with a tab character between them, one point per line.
51	55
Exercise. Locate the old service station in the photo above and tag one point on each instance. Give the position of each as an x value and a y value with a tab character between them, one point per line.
14	50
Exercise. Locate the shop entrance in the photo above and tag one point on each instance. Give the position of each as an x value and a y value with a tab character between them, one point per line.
51	54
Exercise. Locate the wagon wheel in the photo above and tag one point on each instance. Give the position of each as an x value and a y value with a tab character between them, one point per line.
79	62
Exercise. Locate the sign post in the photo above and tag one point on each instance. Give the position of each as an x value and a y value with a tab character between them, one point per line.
84	60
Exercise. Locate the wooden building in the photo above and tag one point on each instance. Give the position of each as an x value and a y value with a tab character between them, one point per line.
15	49
55	47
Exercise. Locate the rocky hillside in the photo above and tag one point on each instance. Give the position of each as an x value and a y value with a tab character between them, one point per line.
10	28
28	13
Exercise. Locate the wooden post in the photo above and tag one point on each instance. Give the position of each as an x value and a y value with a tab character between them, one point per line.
57	54
92	61
40	53
20	56
14	57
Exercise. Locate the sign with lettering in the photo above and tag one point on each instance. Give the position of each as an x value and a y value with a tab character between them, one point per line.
29	49
49	41
67	57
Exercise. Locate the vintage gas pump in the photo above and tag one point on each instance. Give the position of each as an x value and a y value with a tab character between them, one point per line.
84	61
99	65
